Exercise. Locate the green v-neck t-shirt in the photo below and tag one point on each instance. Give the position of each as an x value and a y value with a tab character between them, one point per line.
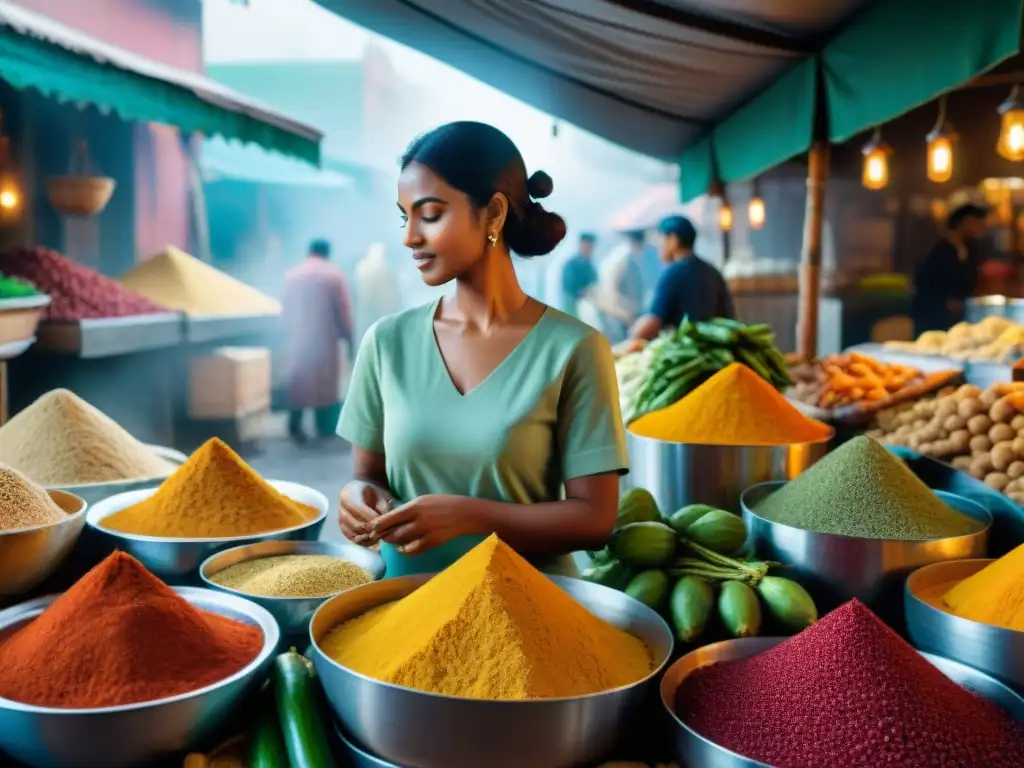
547	414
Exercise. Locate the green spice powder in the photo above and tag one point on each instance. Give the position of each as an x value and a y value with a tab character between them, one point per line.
861	489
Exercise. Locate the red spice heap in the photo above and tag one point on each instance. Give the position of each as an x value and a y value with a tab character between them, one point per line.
121	636
847	692
76	292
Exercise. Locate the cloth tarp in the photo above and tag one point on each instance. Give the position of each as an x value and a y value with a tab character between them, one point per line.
65	64
226	161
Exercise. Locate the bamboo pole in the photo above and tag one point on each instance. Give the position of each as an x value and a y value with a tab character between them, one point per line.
810	256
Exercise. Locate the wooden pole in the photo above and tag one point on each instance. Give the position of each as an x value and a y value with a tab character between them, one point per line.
810	256
3	392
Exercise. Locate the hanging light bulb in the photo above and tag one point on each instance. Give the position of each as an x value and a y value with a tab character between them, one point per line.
725	217
10	200
941	141
10	194
1011	131
875	174
755	208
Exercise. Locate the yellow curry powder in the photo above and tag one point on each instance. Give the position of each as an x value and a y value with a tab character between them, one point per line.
490	627
214	494
733	407
994	595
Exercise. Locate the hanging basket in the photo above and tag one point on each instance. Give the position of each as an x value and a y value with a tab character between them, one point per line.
79	192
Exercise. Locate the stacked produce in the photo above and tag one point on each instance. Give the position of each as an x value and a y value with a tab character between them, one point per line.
61	440
848	691
490	626
850	379
733	407
678	564
76	292
682	360
23	504
15	288
977	431
215	494
994	339
292	576
121	636
994	595
862	490
182	282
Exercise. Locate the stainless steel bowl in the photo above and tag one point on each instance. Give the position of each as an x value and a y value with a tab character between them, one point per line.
134	734
29	555
678	474
181	558
292	613
837	568
994	650
693	749
401	725
359	757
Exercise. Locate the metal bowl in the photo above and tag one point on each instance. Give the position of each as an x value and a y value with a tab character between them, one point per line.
836	568
181	558
678	474
292	613
994	650
359	757
693	749
401	725
133	734
29	555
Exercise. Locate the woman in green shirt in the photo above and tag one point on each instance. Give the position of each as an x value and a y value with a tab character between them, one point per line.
469	415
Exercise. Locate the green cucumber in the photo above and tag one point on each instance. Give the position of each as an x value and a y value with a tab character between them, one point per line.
298	710
266	746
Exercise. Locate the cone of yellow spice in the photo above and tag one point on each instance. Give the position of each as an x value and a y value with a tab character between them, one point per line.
490	627
213	495
994	595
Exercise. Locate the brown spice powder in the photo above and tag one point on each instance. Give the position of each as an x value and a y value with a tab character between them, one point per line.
23	504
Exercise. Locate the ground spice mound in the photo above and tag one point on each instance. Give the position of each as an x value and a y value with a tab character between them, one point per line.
76	292
121	636
212	495
23	504
293	576
490	627
62	440
177	280
994	595
847	692
733	407
860	489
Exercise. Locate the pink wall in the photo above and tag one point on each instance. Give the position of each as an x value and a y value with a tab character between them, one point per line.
161	165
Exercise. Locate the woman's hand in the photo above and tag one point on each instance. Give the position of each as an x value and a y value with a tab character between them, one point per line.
424	523
361	504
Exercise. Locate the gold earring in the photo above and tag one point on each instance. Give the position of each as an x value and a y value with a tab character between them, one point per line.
492	239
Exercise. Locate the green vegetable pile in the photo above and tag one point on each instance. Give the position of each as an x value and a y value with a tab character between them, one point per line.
15	288
686	566
681	361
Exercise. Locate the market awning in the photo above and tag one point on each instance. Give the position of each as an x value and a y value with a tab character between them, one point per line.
221	160
63	63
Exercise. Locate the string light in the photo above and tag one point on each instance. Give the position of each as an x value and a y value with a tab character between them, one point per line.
725	217
1011	131
875	173
941	141
756	213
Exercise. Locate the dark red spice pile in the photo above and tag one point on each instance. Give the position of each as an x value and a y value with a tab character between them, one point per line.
847	692
76	292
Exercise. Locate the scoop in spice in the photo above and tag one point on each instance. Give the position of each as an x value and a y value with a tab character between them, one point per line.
292	576
23	504
860	489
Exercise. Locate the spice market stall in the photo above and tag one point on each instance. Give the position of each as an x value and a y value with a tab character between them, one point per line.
21	306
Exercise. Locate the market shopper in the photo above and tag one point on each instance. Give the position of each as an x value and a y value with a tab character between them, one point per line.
949	273
468	415
316	316
689	287
579	276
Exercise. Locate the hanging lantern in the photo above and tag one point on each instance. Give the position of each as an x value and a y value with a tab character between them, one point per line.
10	193
755	208
875	174
725	217
941	141
1011	131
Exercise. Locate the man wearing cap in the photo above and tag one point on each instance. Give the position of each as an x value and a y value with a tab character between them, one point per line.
689	287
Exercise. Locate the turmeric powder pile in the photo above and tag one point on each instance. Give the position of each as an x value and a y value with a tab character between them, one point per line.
213	495
490	627
994	595
733	407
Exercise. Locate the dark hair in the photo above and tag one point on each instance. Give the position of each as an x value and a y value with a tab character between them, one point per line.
636	236
480	161
966	211
588	237
681	227
321	248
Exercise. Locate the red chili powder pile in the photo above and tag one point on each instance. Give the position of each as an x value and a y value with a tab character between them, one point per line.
121	636
76	292
848	691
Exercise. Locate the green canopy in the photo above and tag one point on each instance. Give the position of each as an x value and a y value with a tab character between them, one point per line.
65	64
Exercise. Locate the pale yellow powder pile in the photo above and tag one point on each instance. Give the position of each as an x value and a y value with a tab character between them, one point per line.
23	504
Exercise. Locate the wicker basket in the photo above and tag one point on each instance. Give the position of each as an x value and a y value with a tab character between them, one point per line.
80	195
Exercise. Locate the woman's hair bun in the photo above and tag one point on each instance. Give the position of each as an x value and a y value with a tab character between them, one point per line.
539	185
538	232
